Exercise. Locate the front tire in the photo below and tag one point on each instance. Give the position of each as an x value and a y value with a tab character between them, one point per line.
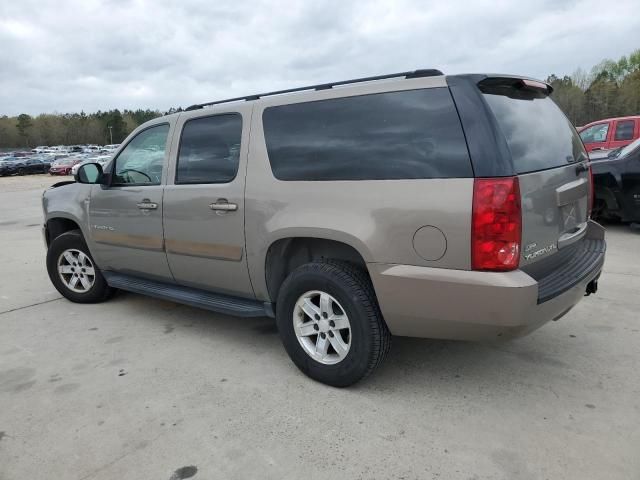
330	323
73	272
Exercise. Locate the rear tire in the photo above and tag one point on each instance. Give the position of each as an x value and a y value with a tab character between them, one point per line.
364	337
73	272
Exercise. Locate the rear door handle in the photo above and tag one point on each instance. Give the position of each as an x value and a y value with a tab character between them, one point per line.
223	205
573	236
147	204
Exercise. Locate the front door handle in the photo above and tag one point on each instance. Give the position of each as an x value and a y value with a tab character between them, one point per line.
147	204
223	205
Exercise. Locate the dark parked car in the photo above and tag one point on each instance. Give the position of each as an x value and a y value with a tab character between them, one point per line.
37	165
20	154
8	166
617	184
23	166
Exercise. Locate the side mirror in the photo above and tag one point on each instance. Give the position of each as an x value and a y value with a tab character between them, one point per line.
89	173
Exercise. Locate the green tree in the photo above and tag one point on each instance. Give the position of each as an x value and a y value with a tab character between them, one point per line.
23	126
118	128
610	89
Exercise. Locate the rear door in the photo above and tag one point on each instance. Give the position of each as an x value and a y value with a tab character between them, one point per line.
204	201
551	164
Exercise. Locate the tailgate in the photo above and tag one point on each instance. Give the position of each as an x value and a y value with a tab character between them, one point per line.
555	209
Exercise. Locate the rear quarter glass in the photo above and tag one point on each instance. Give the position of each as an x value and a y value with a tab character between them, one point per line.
538	134
409	134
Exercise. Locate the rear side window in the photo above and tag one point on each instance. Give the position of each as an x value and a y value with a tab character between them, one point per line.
538	134
397	135
209	149
624	130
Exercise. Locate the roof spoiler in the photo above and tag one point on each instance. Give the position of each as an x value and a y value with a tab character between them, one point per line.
496	84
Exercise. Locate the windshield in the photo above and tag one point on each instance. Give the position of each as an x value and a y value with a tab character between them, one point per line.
538	134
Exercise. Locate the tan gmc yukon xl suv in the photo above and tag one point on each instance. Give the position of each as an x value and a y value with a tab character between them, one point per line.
412	204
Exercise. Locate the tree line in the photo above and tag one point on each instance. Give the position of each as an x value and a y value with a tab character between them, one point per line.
610	89
25	131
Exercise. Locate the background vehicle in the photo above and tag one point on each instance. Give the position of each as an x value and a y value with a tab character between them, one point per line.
610	133
617	184
23	166
110	148
101	159
423	205
63	166
8	166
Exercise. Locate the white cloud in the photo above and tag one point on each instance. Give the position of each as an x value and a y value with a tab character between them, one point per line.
87	54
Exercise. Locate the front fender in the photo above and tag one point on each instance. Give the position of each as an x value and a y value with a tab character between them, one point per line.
71	202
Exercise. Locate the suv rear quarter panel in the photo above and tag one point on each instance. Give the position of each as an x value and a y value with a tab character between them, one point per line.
378	218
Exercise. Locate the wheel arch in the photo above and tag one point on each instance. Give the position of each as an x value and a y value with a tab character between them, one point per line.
286	254
56	226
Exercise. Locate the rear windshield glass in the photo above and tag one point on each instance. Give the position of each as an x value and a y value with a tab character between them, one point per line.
537	132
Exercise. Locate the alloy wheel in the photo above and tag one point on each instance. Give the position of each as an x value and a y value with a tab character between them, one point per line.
322	327
76	270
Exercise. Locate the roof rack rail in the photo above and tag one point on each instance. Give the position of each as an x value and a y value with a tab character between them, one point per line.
431	72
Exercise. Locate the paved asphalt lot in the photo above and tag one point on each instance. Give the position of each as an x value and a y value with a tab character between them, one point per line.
138	388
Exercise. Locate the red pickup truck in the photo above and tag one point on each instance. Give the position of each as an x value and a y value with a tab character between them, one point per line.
610	133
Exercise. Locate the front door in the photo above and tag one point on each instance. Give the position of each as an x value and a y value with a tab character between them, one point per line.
125	217
204	202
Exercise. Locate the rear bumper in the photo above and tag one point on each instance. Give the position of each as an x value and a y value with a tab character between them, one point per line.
467	305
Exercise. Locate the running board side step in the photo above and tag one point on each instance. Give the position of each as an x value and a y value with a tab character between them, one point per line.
227	304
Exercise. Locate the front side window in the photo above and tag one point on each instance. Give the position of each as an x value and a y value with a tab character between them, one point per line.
209	149
595	133
142	160
624	130
410	134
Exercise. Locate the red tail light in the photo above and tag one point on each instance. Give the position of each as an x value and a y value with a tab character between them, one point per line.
496	226
592	192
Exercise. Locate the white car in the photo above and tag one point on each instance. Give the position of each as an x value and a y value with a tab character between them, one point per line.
101	159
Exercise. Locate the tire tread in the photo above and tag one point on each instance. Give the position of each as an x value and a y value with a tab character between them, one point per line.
103	293
357	283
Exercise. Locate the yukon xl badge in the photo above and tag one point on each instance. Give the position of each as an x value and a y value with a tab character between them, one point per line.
537	253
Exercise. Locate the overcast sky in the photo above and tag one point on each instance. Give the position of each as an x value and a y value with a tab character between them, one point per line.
67	55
